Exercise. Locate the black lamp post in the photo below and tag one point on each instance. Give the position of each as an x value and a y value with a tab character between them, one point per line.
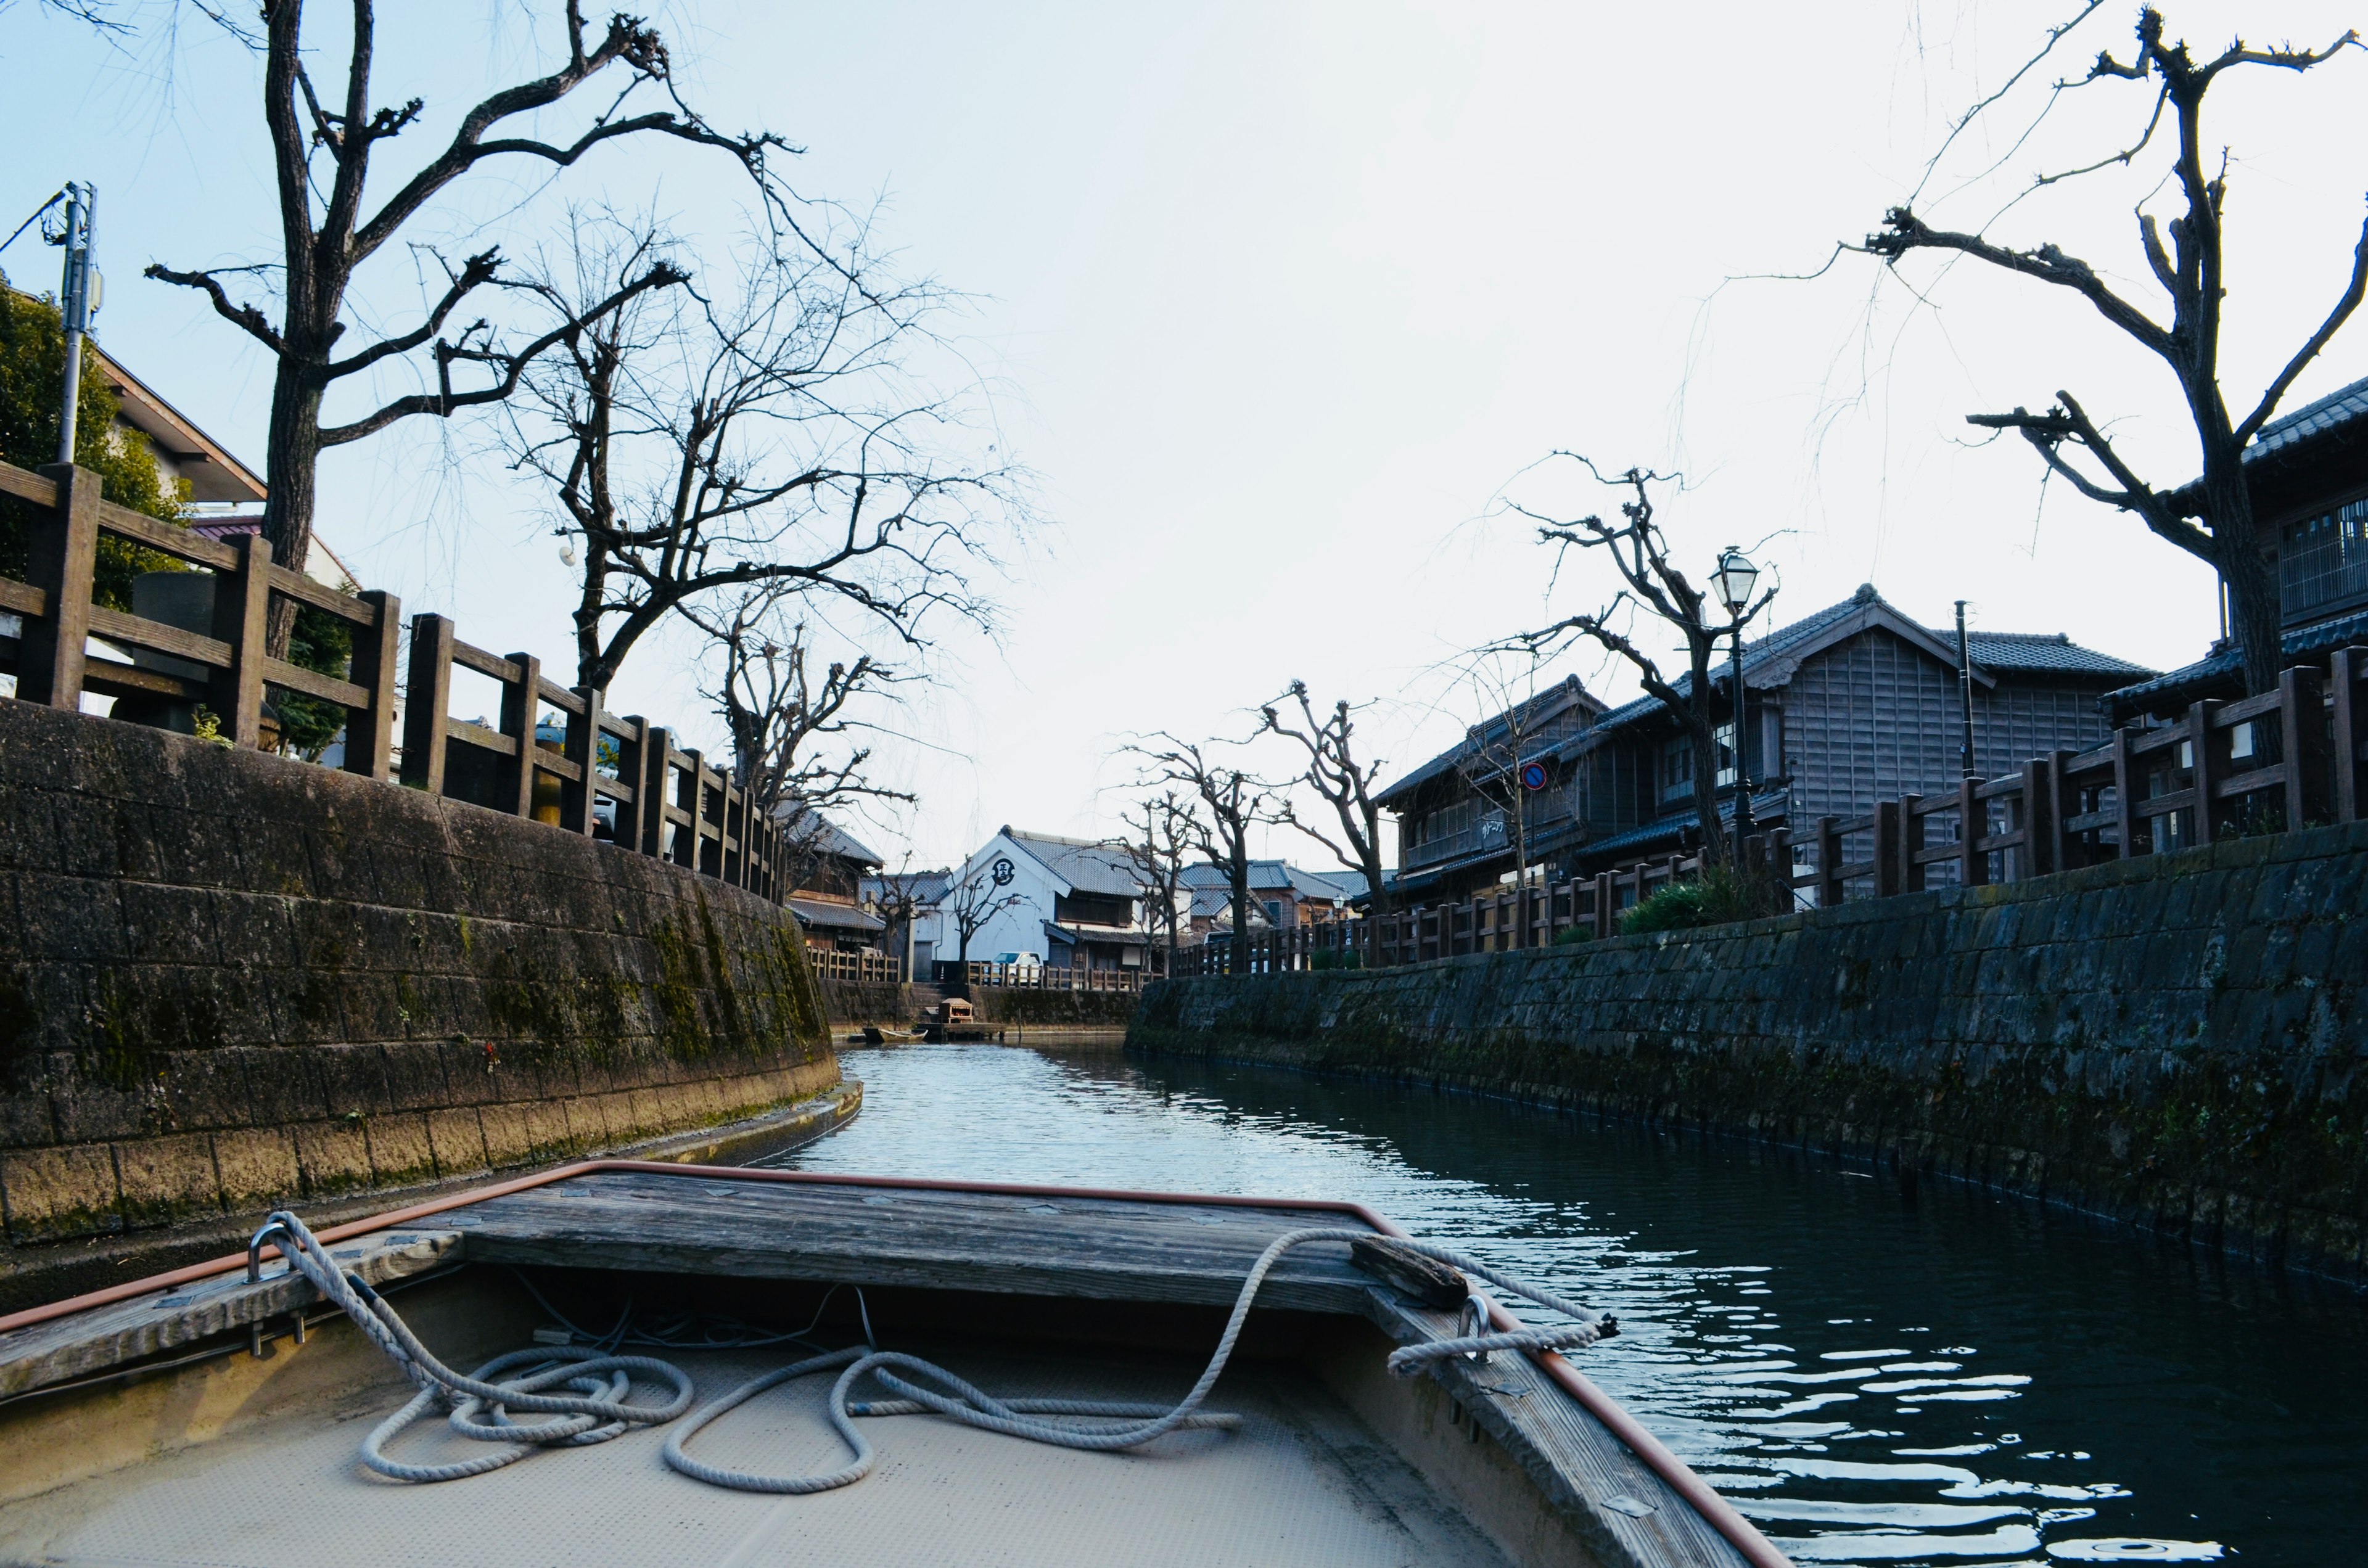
1734	580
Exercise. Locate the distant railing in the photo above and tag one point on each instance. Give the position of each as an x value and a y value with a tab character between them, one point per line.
2287	759
1040	977
868	969
662	802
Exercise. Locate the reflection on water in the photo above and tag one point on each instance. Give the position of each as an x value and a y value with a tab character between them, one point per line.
1877	1376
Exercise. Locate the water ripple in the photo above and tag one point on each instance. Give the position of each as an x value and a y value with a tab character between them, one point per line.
1804	1336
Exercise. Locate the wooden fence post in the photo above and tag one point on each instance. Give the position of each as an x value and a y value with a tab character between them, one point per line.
1830	891
369	731
2206	769
2037	857
2346	667
1602	904
1780	866
2126	831
1886	848
1973	827
655	788
60	554
427	697
243	619
521	701
2302	729
2064	852
694	784
582	747
1911	844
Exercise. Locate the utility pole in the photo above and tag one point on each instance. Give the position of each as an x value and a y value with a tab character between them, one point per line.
74	297
1965	693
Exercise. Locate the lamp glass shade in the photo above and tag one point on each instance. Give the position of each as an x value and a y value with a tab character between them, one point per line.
1734	578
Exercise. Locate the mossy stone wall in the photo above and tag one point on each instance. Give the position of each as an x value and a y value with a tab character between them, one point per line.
2176	1041
228	980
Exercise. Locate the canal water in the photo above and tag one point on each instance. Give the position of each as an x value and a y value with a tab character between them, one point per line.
1876	1376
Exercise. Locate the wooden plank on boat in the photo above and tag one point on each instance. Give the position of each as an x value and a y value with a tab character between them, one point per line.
1625	1512
1101	1248
108	1338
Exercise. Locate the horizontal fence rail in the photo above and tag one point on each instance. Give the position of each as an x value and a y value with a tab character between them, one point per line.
868	968
1043	977
2284	759
614	778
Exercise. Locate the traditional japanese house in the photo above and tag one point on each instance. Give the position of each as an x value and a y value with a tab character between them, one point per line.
1854	704
2308	475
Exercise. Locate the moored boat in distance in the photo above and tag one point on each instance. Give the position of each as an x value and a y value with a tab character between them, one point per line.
622	1362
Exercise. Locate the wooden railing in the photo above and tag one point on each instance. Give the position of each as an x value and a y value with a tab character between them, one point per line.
2287	759
1040	977
870	969
662	801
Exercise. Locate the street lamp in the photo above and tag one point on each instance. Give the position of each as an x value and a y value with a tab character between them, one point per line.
1734	580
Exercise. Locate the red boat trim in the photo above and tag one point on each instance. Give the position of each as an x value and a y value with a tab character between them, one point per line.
1745	1536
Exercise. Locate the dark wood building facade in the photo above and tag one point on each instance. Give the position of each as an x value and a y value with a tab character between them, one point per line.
2308	475
1854	704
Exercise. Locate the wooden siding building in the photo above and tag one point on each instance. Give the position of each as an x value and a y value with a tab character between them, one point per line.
2308	475
1854	704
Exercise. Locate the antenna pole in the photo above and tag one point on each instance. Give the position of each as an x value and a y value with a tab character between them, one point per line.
73	297
1965	693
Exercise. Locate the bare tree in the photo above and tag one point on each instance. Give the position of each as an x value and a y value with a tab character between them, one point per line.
1334	772
1235	802
1162	829
972	901
322	155
775	709
695	449
900	901
2212	519
1654	583
1495	750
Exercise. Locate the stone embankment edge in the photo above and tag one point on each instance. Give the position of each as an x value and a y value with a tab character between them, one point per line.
2173	1043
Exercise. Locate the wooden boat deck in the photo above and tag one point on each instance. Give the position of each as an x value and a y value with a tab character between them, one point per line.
875	1233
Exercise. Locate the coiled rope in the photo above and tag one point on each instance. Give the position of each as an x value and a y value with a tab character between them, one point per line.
596	1412
599	1411
960	1401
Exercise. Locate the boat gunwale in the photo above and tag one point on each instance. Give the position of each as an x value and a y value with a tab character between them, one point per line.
1716	1510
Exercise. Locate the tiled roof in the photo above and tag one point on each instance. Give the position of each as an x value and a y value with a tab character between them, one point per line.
2332	411
2045	653
835	916
1270	874
1085	866
820	835
2199	679
1998	652
1564	694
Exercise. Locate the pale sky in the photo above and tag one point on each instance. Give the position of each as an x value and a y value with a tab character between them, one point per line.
1281	303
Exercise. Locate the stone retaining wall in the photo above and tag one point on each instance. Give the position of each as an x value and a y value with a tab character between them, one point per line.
2175	1040
229	979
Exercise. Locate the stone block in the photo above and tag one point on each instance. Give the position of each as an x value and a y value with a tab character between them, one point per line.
415	1076
165	1180
402	1153
333	1156
52	1194
96	836
169	924
459	1141
588	1124
69	919
281	1086
509	1137
352	1079
258	1167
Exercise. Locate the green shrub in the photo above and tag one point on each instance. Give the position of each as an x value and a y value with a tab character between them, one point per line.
1335	958
32	371
1712	900
1574	936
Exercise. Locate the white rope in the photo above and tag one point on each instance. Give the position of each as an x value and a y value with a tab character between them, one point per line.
599	1411
595	1413
961	1402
